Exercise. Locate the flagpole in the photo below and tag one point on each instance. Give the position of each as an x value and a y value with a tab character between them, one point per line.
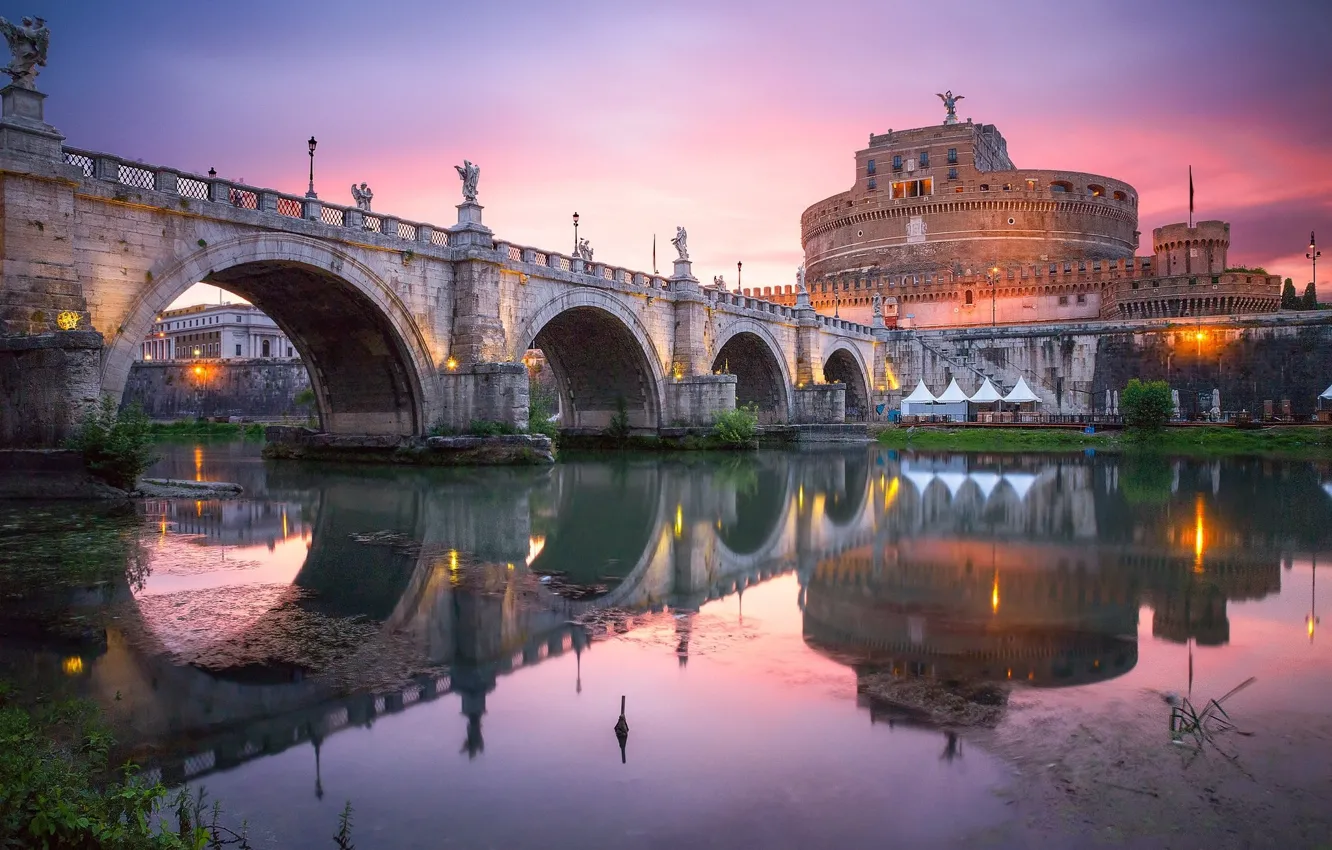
1190	197
654	253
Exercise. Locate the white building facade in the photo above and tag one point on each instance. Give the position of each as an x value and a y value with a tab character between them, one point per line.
216	332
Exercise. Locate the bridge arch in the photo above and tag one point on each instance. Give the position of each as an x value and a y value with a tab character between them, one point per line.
748	349
600	353
368	361
844	364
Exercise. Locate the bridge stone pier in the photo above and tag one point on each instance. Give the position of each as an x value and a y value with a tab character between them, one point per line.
404	325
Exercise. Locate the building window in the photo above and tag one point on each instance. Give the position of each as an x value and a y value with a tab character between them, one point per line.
873	183
985	187
924	159
869	168
952	174
1063	301
971	298
913	188
289	351
238	349
1061	186
238	318
1096	191
1082	299
265	348
1031	185
897	163
952	155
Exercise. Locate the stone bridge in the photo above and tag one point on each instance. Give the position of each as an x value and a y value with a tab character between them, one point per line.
404	325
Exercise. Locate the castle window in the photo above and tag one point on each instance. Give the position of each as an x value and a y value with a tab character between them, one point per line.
1061	186
913	188
952	174
924	159
1031	185
1063	301
1082	299
1096	191
869	167
1120	196
952	155
985	187
897	163
1134	284
238	349
1008	187
873	183
970	298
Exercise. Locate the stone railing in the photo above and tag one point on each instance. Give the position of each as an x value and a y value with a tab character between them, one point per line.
212	189
578	266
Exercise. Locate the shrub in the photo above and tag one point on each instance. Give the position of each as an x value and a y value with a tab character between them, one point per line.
540	409
116	445
736	427
1289	300
489	428
1146	405
619	424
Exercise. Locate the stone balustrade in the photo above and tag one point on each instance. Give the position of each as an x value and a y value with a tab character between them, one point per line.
212	189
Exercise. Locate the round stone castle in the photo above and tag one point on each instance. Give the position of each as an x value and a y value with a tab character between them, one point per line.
947	231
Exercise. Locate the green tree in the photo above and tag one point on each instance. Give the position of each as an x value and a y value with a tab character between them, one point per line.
116	445
540	408
1146	405
1310	299
1289	300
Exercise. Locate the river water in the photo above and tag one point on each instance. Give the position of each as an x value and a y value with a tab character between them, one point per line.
447	649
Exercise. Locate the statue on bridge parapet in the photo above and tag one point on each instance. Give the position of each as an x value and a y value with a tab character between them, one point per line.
802	294
877	302
28	42
470	174
681	244
585	250
719	283
362	197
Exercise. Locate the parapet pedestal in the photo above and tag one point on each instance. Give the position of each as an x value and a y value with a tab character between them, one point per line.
469	231
23	127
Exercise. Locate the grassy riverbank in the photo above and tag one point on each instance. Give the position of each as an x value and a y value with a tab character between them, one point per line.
199	428
1288	441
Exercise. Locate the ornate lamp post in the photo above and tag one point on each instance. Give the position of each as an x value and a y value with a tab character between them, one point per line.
738	282
1312	256
310	193
575	219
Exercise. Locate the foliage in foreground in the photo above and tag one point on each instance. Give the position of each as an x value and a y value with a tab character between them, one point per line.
116	444
56	791
540	409
1190	440
736	427
1146	405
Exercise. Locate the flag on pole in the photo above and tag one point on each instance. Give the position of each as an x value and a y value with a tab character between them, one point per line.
1190	196
654	253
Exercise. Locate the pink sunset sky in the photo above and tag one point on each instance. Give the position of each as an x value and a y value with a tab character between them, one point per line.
727	118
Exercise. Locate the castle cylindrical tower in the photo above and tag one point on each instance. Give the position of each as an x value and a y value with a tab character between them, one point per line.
1184	250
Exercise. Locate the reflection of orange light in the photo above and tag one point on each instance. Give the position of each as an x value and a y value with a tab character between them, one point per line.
284	523
198	463
1198	535
679	520
535	543
72	666
198	371
1200	336
994	595
890	495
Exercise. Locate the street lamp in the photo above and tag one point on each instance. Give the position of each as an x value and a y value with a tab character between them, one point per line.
575	250
993	276
738	282
310	193
1312	256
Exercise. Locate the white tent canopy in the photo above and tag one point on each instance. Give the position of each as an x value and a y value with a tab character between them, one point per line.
952	395
986	394
1021	393
1327	393
920	395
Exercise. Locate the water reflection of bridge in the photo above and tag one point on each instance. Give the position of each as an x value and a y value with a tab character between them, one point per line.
900	566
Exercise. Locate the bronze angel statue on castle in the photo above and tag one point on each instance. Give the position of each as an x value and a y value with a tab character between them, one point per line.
28	41
950	103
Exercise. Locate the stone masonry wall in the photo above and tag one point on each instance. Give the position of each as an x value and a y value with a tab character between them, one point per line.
256	389
46	382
